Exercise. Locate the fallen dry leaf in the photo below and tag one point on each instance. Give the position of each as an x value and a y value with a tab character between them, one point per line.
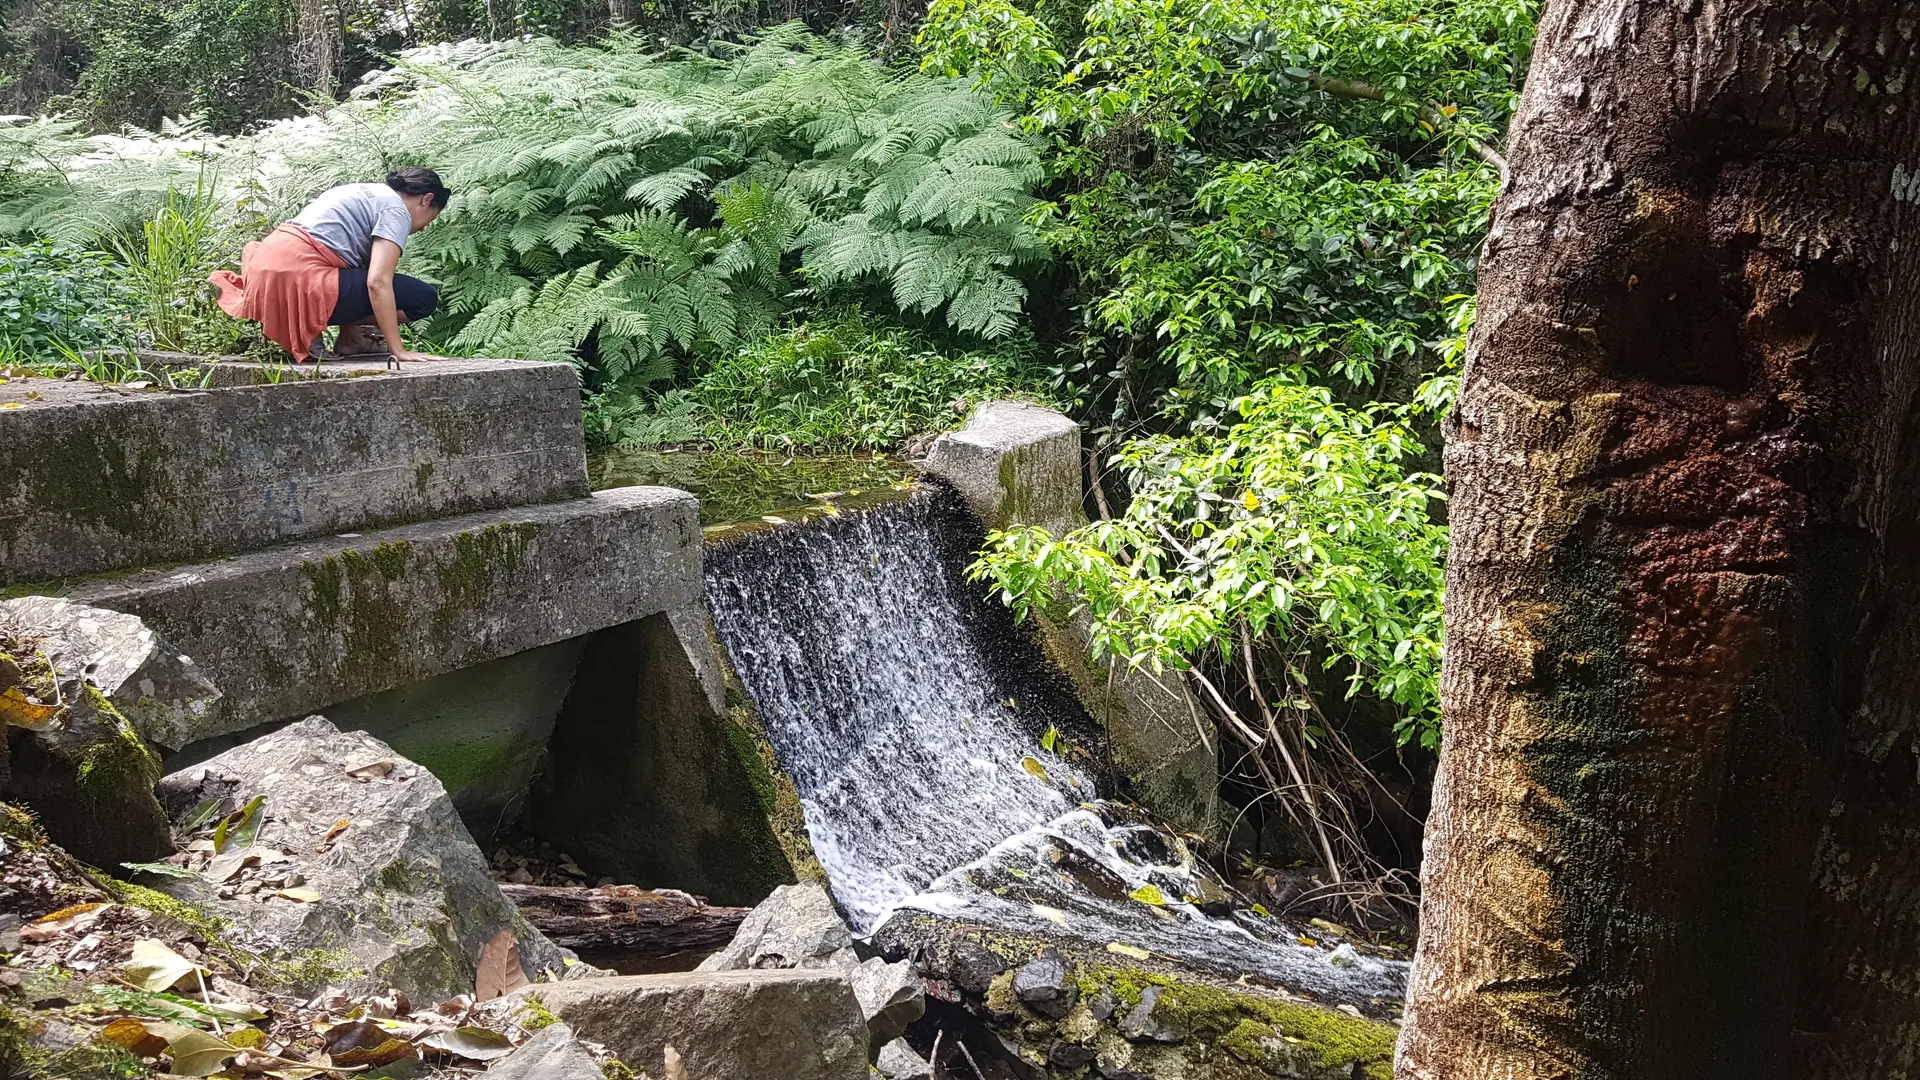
132	1036
338	828
66	920
155	968
676	1069
499	973
299	894
20	711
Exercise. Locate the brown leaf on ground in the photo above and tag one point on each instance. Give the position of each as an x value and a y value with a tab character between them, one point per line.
498	972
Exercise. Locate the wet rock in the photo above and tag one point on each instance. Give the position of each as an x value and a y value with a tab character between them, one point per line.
1066	1055
1149	1022
160	691
725	1025
552	1054
898	1061
974	966
891	997
1043	986
85	771
1103	1004
798	927
405	898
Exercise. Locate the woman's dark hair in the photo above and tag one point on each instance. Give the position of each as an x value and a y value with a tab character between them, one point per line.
417	181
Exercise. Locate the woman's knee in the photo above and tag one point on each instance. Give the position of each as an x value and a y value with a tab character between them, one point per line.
415	298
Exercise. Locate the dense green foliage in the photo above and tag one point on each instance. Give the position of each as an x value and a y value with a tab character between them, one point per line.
634	212
1299	526
841	384
52	297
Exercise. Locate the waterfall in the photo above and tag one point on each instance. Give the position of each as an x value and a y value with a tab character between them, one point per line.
910	713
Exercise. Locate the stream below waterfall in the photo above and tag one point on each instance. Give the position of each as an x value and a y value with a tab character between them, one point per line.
910	712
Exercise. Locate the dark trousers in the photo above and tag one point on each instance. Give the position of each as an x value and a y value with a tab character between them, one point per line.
415	298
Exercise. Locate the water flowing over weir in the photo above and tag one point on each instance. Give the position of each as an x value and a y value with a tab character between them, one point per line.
910	713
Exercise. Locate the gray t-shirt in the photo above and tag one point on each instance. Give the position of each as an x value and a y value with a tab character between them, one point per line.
347	218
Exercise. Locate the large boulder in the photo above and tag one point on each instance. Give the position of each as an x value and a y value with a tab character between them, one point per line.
798	927
404	897
158	689
725	1025
69	752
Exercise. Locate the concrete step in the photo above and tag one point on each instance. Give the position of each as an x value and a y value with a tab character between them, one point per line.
97	478
295	628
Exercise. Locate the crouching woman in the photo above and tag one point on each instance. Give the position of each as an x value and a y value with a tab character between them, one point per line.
334	264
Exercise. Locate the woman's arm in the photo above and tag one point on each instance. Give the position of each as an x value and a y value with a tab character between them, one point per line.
386	314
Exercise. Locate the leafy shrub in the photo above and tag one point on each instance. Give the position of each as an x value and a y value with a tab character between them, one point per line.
1298	529
53	298
844	384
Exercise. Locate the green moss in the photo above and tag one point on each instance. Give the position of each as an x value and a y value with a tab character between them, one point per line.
421	474
459	765
304	970
116	765
391	557
534	1014
1334	1039
19	827
327	590
779	800
209	926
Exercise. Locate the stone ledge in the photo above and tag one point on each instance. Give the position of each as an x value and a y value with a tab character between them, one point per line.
291	630
96	477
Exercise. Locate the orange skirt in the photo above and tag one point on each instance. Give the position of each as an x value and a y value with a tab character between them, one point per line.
288	283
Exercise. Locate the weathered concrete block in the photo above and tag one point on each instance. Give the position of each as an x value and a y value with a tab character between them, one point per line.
292	630
480	730
1020	465
96	478
1016	464
647	781
726	1025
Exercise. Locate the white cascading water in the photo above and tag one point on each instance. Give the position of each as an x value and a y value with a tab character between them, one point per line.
887	692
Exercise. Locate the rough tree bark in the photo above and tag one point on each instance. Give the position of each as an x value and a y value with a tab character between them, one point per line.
1677	830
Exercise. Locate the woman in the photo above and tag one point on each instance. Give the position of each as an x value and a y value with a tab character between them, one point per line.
333	265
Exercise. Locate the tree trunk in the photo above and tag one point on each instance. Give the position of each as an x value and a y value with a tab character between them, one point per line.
1677	826
641	923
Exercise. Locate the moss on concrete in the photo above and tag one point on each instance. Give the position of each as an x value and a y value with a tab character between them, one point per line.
1237	1021
772	788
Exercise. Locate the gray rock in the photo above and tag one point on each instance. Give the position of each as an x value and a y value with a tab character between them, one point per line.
1066	1055
552	1054
1042	984
1148	1022
87	774
1115	1072
163	693
898	1061
726	1025
891	997
405	894
974	966
796	927
1102	1004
